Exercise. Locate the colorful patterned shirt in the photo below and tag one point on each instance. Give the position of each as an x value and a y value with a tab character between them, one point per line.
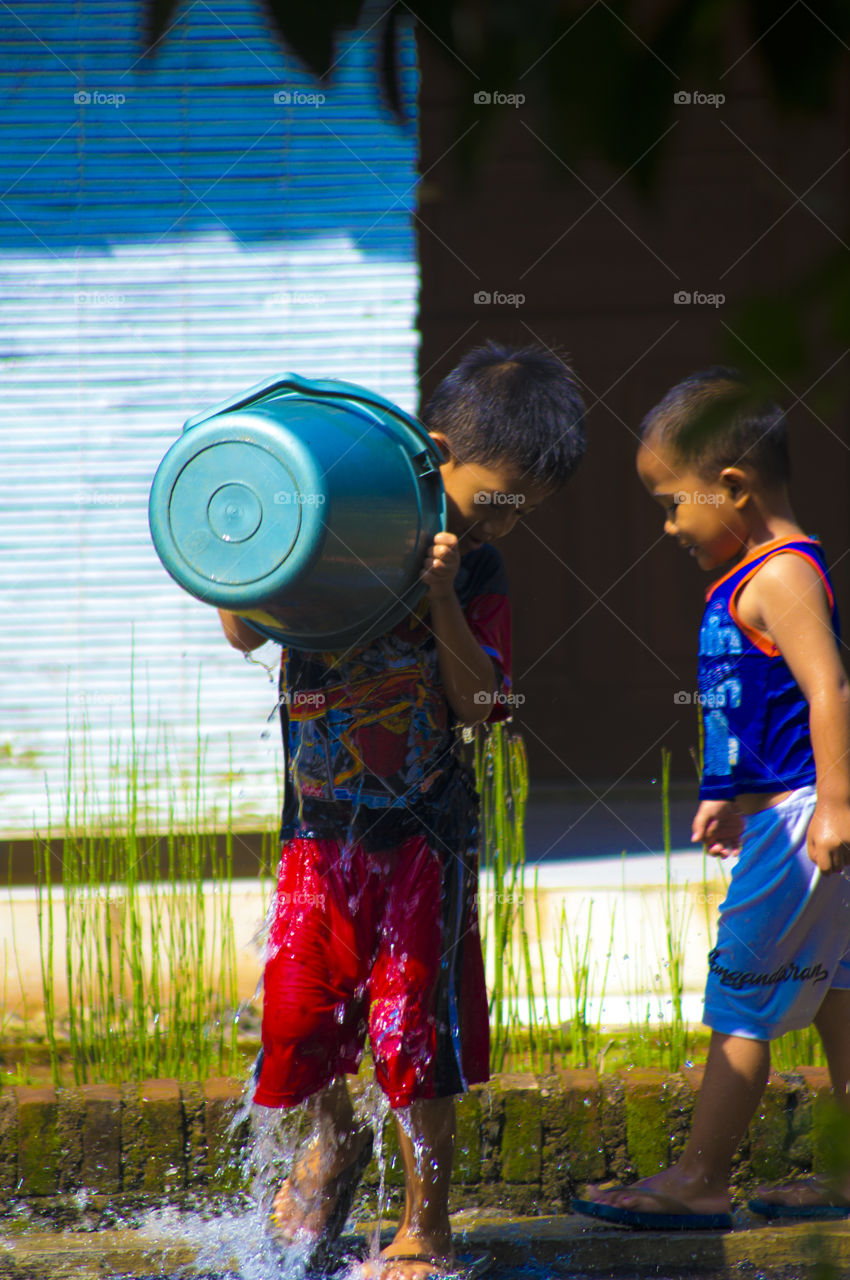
369	737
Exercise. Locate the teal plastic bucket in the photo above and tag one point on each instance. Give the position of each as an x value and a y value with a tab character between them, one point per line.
304	506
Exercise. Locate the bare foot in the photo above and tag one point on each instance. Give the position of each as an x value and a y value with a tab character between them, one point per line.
308	1198
406	1266
666	1192
410	1256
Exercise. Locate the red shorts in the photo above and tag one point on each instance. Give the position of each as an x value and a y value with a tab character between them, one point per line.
382	942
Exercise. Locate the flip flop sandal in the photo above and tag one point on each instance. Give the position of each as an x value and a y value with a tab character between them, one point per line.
670	1216
827	1212
321	1250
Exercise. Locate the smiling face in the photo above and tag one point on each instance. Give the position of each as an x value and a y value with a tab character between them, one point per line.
485	502
704	517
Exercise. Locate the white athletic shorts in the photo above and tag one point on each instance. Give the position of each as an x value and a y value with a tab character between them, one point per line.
783	936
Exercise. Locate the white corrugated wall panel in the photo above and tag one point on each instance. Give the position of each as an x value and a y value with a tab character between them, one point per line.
156	255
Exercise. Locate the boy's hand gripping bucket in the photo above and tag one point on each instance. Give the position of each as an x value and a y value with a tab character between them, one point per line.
306	507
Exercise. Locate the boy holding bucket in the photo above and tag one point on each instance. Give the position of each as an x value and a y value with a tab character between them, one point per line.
375	927
776	711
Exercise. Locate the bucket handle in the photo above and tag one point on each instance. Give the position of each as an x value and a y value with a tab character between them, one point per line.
330	387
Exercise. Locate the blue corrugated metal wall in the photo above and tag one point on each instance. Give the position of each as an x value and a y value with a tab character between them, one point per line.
169	234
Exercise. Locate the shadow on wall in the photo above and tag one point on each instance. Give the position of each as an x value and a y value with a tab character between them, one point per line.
110	148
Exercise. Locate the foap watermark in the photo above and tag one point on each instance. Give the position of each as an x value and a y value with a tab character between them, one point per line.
301	898
484	298
97	498
485	900
294	298
97	298
304	699
681	498
486	98
485	498
198	540
693	298
687	697
297	498
94	98
297	98
696	98
97	698
483	697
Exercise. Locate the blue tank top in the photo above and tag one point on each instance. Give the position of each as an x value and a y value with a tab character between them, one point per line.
755	717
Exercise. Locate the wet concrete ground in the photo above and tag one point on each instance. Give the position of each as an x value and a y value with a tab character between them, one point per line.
558	1247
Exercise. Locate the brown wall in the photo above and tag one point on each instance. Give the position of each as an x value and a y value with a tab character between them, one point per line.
606	609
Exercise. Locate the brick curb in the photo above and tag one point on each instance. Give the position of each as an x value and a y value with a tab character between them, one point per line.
525	1142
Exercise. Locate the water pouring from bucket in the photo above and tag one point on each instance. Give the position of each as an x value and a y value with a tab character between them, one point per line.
306	507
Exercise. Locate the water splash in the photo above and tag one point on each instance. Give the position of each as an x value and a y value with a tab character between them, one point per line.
375	1111
234	1242
236	1236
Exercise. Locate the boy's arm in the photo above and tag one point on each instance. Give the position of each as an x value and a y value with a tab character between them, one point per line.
790	597
239	633
468	673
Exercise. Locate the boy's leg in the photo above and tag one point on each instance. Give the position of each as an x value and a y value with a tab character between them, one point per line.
759	918
426	1135
735	1077
308	1196
422	1246
318	956
403	1032
774	855
833	1024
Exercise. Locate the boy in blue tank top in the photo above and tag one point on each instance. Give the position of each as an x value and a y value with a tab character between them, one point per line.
776	767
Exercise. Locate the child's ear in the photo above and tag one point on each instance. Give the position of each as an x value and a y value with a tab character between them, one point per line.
736	482
442	444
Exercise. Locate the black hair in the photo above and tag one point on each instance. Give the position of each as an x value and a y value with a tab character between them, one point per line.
716	419
516	405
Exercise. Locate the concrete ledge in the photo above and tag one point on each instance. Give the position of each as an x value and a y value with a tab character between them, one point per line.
91	1256
772	1252
563	1243
525	1143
